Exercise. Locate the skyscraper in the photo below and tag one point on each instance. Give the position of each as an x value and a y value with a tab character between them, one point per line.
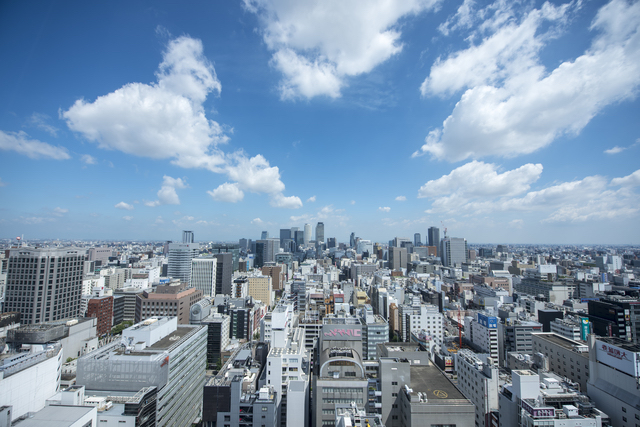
265	235
453	251
266	251
224	271
180	256
417	239
285	237
187	236
320	233
44	284
352	240
203	275
434	236
307	234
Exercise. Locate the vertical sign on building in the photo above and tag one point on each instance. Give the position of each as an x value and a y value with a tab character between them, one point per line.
584	328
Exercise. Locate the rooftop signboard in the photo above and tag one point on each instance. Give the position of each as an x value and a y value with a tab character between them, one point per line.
618	358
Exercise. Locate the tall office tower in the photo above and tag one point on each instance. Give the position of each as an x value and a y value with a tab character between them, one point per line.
417	239
331	242
299	238
187	236
453	251
44	284
266	251
224	271
204	274
285	235
397	258
307	234
352	240
265	235
180	256
434	236
320	233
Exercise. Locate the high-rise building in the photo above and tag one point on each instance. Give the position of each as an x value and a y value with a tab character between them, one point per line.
453	251
264	235
266	251
102	309
307	234
204	274
397	258
320	233
417	239
187	236
180	256
260	288
44	284
331	242
224	271
352	240
433	235
174	299
285	236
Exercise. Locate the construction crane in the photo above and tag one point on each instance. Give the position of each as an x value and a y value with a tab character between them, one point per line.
445	229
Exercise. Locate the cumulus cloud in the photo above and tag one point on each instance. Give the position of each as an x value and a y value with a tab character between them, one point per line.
384	209
401	199
311	199
318	45
167	195
124	206
511	104
574	201
632	180
290	202
88	159
256	221
227	192
32	148
166	120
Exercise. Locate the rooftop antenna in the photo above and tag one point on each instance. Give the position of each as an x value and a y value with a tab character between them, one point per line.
19	239
445	229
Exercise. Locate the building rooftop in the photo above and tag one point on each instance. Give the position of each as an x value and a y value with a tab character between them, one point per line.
56	416
562	341
432	382
629	346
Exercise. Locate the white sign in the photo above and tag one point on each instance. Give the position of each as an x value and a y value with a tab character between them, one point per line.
619	358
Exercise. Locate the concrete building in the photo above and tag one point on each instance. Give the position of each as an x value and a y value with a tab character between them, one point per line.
224	273
203	275
433	235
114	278
179	257
157	352
266	251
453	251
482	332
173	299
614	378
515	336
260	288
218	331
478	381
397	258
130	296
567	358
375	331
44	284
28	379
544	400
568	328
320	233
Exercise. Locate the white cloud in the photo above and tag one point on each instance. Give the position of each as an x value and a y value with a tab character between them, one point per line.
479	179
40	120
511	104
401	199
462	19
516	223
615	150
127	218
32	148
317	45
35	220
311	199
88	159
227	192
124	206
280	201
384	209
575	201
166	120
167	195
159	220
60	211
353	202
256	221
632	180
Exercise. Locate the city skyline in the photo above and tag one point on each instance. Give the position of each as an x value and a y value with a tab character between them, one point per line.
501	122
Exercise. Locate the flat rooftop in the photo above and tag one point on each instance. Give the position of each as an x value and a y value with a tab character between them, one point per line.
559	340
434	383
56	416
627	345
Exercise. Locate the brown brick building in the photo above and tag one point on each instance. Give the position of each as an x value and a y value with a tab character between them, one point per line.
173	299
102	309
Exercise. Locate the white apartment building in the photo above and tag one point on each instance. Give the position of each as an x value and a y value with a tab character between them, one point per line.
568	328
424	317
483	333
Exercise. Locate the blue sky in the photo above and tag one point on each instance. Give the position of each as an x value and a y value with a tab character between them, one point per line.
505	121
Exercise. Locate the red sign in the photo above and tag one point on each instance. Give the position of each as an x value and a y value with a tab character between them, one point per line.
343	333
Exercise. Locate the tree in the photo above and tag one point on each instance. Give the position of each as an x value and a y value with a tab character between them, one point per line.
117	330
